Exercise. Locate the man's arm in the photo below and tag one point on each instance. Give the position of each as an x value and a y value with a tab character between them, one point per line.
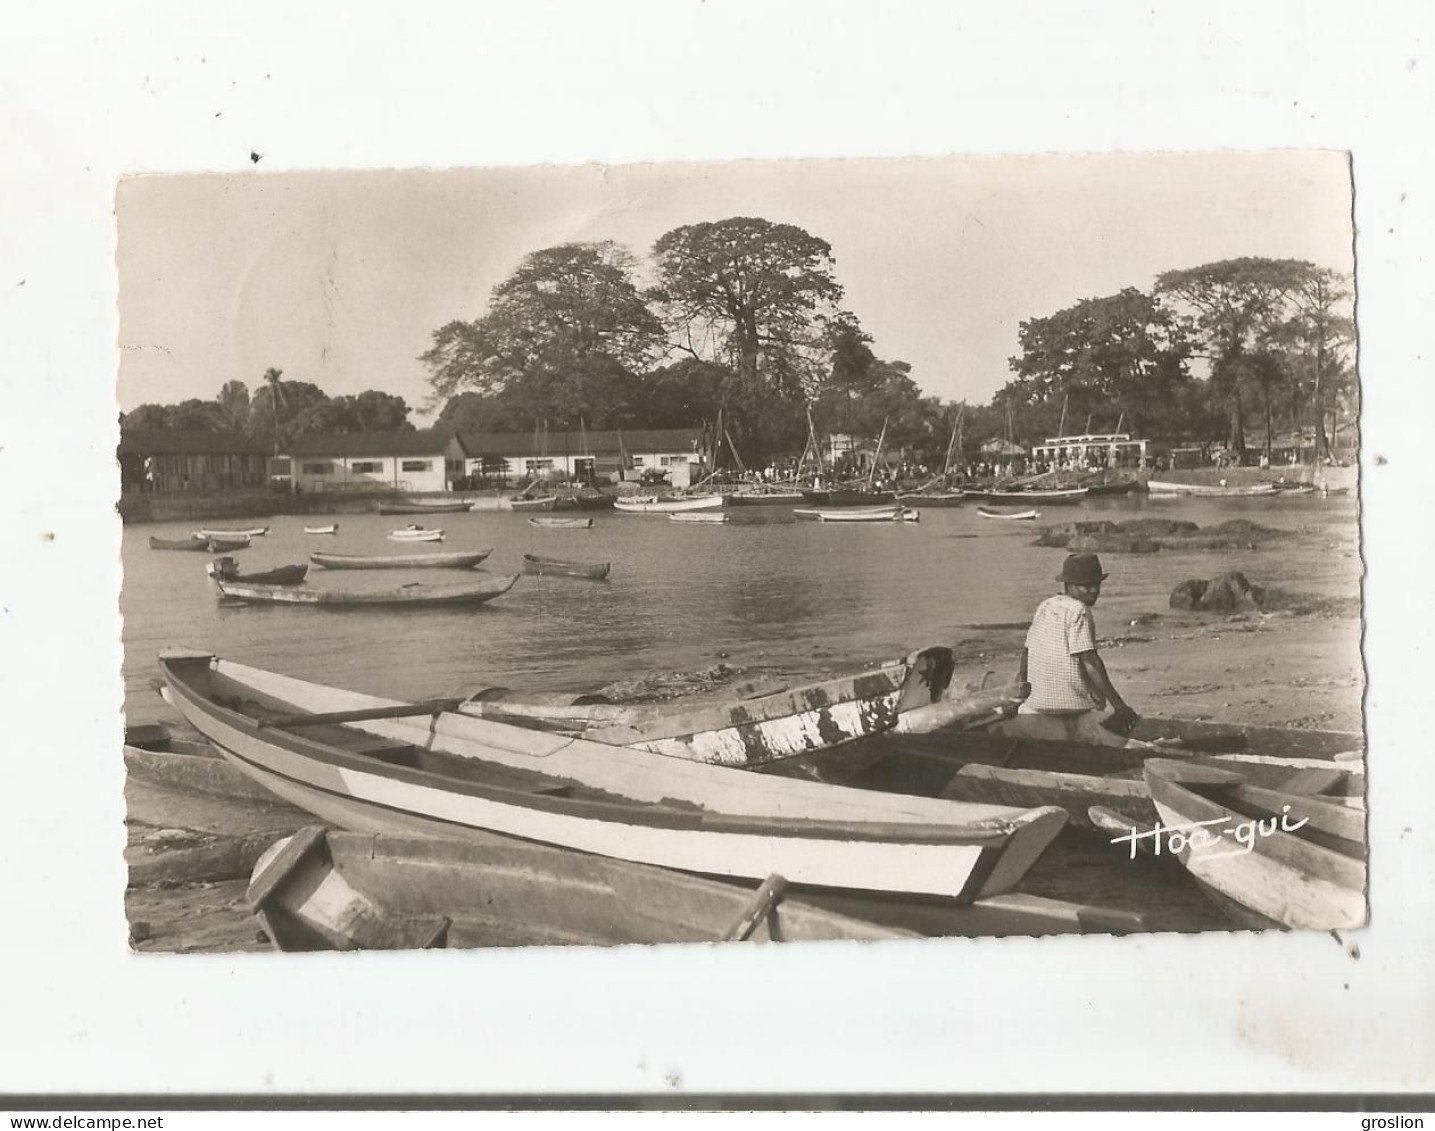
1023	688
1093	670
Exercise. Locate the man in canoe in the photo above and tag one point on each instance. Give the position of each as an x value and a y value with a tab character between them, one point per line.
1064	683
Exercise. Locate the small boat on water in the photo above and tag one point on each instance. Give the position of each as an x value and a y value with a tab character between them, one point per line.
561	522
459	560
413	594
328	890
1019	515
332	528
700	516
1211	490
533	503
1065	496
382	765
667	504
227	569
557	567
762	497
861	514
200	544
1268	857
253	532
591	499
932	498
455	507
416	534
847	497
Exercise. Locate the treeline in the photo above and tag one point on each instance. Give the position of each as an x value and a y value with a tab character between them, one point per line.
278	408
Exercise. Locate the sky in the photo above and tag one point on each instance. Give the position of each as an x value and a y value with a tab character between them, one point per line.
340	278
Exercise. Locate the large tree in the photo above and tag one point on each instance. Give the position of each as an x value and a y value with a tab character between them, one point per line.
1121	357
234	405
1319	337
1234	308
279	405
565	333
751	293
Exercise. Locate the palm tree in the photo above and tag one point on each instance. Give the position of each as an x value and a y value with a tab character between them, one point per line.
276	396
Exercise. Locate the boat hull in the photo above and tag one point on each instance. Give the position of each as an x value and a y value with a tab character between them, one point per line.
400	561
655	505
845	498
1063	498
561	523
409	595
556	567
1019	516
424	508
1258	490
763	499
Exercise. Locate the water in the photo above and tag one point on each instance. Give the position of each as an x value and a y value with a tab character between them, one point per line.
765	593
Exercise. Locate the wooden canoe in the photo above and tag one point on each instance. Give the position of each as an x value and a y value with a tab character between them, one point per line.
932	498
718	517
987	512
1065	496
155	758
412	534
326	890
424	508
332	528
847	497
252	532
381	765
456	560
1210	490
1278	859
536	503
561	522
1004	764
861	514
414	594
557	567
762	498
200	544
227	569
667	504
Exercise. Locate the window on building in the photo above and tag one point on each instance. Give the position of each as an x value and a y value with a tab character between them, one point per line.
280	466
638	461
538	464
316	468
417	464
367	466
668	461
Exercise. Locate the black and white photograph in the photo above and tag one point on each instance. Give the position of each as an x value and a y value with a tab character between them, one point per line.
715	555
761	550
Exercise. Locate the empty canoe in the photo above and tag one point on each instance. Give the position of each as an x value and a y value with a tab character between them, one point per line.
327	890
332	528
412	534
253	532
557	567
988	512
386	766
667	504
424	508
716	517
561	522
464	560
413	594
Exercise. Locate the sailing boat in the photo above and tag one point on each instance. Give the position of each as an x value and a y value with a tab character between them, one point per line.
536	496
587	497
851	495
935	492
754	494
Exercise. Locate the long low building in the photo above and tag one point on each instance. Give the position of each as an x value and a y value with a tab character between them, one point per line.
510	457
406	462
184	462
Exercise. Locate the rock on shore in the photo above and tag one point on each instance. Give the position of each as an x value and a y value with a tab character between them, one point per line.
1148	535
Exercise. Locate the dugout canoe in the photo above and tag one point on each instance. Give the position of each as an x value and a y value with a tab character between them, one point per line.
561	522
415	534
332	528
328	890
859	514
224	535
1066	496
154	757
200	544
717	517
557	567
1271	858
381	765
227	569
424	508
458	560
414	594
1020	516
1212	490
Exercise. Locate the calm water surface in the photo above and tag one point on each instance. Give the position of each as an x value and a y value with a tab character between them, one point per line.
765	593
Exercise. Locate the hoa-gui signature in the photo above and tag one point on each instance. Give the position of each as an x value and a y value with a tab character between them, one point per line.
1204	839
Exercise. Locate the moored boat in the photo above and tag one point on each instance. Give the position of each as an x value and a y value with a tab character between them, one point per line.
327	890
931	498
193	543
762	497
416	534
414	594
860	514
466	559
700	516
1019	515
252	532
383	765
847	497
1272	858
557	567
561	522
227	569
455	507
1065	496
533	503
667	504
332	528
591	499
1210	490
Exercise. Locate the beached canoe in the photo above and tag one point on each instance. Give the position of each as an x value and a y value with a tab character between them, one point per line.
327	890
717	517
1006	764
557	567
332	528
252	532
667	504
1271	858
414	594
1020	516
415	534
457	560
382	765
154	757
227	569
561	522
425	508
1212	490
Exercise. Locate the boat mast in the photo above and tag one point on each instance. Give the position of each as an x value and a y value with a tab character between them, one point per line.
872	471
